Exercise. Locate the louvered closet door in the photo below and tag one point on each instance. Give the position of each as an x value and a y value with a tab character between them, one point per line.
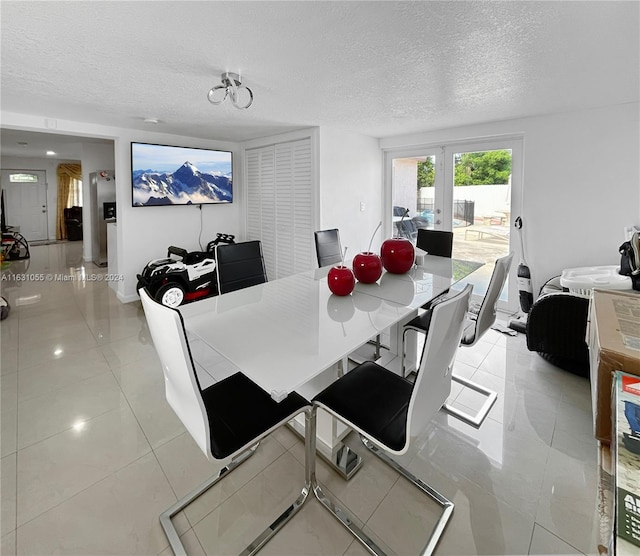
280	205
261	222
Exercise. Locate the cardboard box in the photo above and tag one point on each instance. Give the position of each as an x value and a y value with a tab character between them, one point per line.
626	450
614	345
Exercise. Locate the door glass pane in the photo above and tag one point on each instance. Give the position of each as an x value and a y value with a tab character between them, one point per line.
481	210
413	180
23	178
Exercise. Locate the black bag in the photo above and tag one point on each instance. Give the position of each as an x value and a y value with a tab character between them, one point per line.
630	260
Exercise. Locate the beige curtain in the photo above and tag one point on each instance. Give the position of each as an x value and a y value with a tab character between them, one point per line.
66	174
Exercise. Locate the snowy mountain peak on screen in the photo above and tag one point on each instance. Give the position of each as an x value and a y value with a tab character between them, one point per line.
186	185
188	174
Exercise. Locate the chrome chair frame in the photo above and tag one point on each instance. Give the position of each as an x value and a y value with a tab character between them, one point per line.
425	398
187	399
480	320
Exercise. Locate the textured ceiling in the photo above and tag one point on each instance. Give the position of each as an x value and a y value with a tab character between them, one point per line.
376	68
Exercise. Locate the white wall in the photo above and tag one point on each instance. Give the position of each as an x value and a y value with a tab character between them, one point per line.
581	182
50	166
350	174
581	186
145	233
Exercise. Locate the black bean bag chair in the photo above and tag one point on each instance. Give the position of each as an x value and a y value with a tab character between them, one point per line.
556	330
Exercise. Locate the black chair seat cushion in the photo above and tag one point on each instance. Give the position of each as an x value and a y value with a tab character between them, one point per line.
374	399
240	411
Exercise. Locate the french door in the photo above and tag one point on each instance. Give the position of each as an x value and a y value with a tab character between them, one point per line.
473	189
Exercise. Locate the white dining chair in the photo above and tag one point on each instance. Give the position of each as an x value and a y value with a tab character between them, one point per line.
389	412
227	420
480	319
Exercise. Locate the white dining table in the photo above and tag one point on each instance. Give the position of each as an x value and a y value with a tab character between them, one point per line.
292	334
283	333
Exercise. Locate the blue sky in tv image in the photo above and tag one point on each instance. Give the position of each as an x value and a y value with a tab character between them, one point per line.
166	175
166	158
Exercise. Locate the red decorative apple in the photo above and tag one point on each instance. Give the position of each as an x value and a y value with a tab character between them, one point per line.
341	280
397	254
367	267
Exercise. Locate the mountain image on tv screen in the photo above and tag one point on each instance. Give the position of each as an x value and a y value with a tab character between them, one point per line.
161	177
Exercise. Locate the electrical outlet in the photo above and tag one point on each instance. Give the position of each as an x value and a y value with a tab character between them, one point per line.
362	206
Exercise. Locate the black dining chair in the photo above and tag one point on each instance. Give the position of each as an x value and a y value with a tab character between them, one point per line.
480	318
435	242
328	248
227	420
389	412
239	265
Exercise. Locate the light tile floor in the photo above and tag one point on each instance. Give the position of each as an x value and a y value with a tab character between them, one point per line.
91	454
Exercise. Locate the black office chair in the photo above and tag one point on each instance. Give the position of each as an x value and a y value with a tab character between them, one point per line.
239	265
435	242
227	420
389	412
481	318
73	223
328	248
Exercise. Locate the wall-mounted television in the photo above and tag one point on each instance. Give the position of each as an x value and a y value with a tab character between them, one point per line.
166	175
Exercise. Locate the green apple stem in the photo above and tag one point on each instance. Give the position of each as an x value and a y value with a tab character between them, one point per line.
374	235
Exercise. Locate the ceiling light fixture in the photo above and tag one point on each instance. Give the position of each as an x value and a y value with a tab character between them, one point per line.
231	85
50	153
151	121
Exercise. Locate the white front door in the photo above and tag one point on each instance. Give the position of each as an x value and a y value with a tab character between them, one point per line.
25	199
